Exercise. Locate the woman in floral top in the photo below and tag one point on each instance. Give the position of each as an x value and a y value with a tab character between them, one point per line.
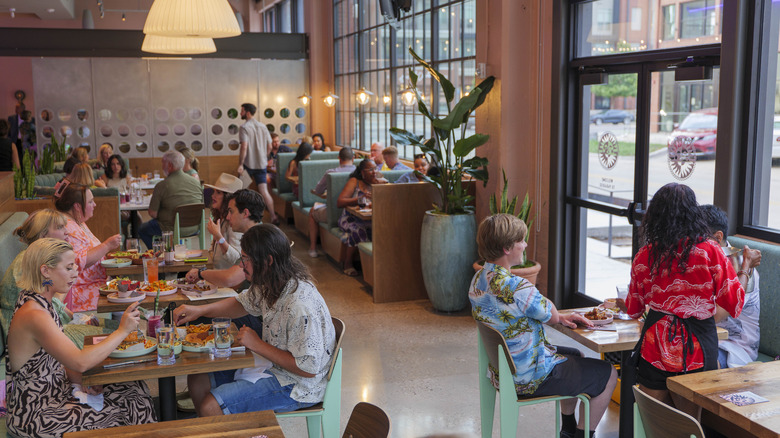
78	204
681	275
513	306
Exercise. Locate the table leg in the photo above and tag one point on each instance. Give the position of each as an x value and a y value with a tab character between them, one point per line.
135	222
626	427
167	387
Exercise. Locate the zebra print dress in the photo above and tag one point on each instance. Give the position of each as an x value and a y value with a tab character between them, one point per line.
40	402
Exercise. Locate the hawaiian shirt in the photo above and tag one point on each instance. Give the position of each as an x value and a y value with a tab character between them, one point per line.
513	306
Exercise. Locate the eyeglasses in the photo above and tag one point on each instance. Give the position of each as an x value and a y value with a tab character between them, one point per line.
245	260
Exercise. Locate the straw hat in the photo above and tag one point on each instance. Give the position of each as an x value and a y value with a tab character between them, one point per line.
227	183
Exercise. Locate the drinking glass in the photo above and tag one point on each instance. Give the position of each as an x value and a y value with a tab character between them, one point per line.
132	245
180	251
167	237
156	174
150	269
165	342
222	339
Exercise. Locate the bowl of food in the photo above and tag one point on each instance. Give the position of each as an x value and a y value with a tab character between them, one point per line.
599	316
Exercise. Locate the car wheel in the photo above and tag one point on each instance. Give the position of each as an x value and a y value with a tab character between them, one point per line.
627	120
598	121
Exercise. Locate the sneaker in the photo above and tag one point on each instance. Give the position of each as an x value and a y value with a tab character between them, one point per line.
313	253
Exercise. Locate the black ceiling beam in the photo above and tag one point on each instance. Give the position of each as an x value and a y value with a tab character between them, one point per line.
99	43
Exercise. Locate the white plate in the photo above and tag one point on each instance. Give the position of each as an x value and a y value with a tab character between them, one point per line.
116	263
162	294
114	298
205	349
192	254
600	321
135	350
187	289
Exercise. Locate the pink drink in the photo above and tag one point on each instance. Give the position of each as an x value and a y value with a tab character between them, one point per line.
152	323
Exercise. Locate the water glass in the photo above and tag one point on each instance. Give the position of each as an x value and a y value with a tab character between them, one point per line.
156	174
222	339
167	237
132	245
151	269
180	251
165	341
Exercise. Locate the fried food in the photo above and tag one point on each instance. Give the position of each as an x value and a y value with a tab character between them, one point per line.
155	286
198	328
132	339
198	339
597	314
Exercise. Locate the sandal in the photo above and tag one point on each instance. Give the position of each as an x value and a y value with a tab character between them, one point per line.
351	272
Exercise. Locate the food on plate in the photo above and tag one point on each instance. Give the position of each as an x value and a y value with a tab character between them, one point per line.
597	314
122	255
156	286
198	328
198	339
133	339
201	286
113	285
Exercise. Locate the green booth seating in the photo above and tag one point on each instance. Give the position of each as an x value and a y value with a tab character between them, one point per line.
309	174
282	193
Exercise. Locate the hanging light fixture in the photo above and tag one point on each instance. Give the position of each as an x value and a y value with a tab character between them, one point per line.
330	100
407	96
124	17
178	46
363	96
386	99
304	98
192	18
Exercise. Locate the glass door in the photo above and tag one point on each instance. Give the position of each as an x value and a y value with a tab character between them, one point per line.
639	129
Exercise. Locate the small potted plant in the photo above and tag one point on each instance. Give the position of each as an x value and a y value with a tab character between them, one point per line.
529	269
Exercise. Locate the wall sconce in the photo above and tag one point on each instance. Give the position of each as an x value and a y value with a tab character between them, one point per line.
330	100
363	96
386	99
407	97
304	98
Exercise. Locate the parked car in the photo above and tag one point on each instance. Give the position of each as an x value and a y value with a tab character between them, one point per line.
702	127
612	116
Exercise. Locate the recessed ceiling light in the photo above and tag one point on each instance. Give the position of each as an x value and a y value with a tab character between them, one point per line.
50	10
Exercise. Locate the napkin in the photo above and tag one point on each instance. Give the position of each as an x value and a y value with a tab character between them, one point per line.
93	401
252	375
222	292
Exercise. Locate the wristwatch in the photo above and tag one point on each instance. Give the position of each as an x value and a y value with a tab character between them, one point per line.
200	271
221	240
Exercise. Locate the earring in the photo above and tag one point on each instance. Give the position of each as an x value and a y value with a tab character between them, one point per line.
46	283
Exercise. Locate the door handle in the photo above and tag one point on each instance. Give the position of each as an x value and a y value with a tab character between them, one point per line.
635	213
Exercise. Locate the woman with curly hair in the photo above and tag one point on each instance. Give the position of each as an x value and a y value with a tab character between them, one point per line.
682	276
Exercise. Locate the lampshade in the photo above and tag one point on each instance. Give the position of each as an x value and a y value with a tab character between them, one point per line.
363	96
177	46
192	18
330	100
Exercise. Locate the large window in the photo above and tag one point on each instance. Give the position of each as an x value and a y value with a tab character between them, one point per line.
283	16
370	53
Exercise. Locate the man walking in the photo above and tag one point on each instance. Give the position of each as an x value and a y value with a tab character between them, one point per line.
253	156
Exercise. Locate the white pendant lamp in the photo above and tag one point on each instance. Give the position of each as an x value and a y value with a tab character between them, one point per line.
192	18
178	46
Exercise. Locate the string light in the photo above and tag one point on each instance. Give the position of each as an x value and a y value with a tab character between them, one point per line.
330	100
363	96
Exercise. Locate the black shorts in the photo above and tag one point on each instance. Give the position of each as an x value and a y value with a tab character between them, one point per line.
651	377
578	375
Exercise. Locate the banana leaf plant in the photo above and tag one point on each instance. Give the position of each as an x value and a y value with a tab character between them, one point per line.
503	204
449	147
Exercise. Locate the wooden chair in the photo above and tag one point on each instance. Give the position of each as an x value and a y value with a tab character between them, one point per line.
328	413
655	419
367	421
189	215
493	351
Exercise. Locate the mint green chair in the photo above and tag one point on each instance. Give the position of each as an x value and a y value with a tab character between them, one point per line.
189	215
494	352
328	413
655	419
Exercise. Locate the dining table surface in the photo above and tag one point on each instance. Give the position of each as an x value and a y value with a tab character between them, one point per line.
365	214
706	389
187	362
136	206
104	305
620	336
175	266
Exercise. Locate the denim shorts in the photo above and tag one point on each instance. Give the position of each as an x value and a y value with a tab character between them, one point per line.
258	175
237	396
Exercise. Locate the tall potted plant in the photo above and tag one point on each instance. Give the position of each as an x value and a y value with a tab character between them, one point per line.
529	269
447	241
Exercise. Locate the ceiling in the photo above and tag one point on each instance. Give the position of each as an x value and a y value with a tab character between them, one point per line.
43	9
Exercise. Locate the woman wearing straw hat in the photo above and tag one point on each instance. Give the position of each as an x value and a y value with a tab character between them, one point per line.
226	244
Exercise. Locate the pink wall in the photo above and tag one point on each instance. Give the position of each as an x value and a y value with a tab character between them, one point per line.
17	75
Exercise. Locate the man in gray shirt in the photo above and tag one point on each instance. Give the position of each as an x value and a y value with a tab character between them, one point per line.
256	142
175	190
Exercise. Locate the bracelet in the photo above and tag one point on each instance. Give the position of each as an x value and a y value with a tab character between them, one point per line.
742	271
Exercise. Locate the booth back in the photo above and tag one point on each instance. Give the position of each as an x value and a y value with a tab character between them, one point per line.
309	174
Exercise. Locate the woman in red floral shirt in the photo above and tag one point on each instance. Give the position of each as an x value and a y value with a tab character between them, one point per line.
682	276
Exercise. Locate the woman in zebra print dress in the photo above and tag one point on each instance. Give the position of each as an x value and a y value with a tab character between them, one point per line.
38	386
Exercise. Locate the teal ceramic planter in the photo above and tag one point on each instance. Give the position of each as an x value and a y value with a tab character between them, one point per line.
448	247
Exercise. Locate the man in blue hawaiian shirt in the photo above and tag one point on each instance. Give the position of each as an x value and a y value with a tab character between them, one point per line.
513	306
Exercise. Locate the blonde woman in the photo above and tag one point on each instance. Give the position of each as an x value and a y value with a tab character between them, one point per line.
82	174
39	397
104	153
191	163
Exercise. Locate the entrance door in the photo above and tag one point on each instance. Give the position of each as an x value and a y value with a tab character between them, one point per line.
639	129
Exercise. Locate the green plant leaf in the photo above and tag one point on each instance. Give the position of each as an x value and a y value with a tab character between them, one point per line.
404	137
492	204
464	146
455	117
446	85
485	86
475	162
413	77
478	174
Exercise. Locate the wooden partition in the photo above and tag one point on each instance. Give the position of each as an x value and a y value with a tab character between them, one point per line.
6	195
103	224
397	220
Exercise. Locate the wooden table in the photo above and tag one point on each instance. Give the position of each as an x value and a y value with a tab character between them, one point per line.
186	363
763	379
365	214
623	340
132	206
179	298
234	425
166	268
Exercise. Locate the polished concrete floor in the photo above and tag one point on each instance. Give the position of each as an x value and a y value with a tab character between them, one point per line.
419	365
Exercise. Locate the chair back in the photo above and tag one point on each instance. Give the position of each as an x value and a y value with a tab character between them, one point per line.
367	421
282	163
491	339
190	214
339	326
659	420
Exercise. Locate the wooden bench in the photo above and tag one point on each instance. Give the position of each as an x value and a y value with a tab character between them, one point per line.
235	425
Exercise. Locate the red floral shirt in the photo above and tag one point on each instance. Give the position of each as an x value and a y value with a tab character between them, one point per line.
709	280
